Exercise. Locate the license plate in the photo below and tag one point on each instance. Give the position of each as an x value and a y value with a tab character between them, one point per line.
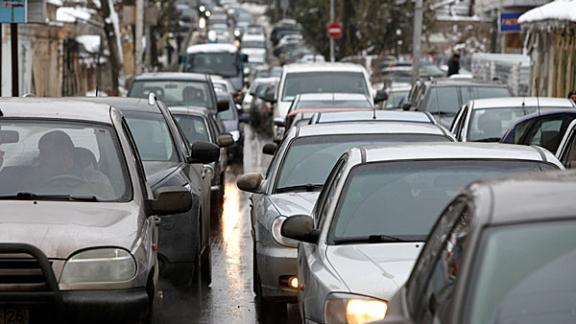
14	316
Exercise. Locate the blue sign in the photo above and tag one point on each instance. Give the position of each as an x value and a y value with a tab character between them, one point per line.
13	11
509	22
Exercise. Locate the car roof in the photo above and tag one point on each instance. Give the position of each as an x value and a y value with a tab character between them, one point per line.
353	116
463	83
520	102
525	198
332	96
55	108
172	76
369	128
212	48
124	103
421	151
196	111
323	67
254	37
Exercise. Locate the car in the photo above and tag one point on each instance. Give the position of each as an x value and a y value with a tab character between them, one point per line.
316	78
169	160
255	47
544	129
374	214
291	186
201	124
371	116
567	148
305	105
397	97
311	58
217	59
443	98
487	120
77	218
231	124
260	109
176	89
501	252
221	84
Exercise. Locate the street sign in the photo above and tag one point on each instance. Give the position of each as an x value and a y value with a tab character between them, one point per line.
13	11
509	22
335	30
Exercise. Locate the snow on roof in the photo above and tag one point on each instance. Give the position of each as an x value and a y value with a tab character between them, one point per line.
71	15
556	10
91	43
57	3
212	48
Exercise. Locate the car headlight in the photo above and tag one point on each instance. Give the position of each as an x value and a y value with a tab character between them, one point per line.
235	135
99	265
277	233
353	309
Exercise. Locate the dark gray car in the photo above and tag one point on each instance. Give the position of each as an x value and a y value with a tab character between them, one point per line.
78	236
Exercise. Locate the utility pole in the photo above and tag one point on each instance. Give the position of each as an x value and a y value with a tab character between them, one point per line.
14	49
332	40
1	62
417	40
139	35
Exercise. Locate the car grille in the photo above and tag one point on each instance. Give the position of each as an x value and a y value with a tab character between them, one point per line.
21	272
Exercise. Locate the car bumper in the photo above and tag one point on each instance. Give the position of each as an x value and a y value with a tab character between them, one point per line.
273	264
106	306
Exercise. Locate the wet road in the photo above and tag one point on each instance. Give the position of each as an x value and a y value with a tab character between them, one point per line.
229	299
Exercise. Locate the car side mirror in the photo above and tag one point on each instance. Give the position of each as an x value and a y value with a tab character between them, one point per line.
270	148
225	140
171	200
244	58
204	152
300	228
9	137
250	182
381	96
406	106
223	105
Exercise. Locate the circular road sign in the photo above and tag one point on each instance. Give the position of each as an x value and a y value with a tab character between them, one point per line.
335	30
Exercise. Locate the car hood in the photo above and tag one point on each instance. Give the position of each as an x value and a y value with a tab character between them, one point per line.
61	228
295	203
385	267
156	172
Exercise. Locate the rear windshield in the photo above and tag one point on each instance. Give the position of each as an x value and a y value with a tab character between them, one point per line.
309	159
324	82
193	127
152	136
310	104
175	93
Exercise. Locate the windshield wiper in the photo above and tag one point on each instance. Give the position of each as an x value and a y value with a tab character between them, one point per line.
380	238
33	196
488	140
306	187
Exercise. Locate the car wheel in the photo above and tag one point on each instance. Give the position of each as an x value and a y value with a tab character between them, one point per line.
206	267
268	312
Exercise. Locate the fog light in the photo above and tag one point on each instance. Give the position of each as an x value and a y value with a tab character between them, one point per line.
293	282
290	282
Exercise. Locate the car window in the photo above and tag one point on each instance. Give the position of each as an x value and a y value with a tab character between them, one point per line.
152	136
569	155
223	64
323	82
175	93
524	274
60	159
491	92
327	195
396	100
194	128
439	292
547	134
417	283
443	99
467	94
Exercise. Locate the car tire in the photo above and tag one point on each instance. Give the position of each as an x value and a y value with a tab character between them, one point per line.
268	312
206	267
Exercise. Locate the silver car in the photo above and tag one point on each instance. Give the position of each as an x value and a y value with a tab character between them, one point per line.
291	186
78	236
373	217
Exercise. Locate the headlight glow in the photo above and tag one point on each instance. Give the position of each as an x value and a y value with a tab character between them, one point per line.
99	265
353	309
276	233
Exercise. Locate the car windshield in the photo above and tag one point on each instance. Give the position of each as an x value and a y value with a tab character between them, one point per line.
152	137
307	104
175	93
538	286
324	82
403	199
223	64
307	157
193	127
396	99
491	124
63	161
254	44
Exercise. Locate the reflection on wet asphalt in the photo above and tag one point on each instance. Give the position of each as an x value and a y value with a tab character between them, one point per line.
229	299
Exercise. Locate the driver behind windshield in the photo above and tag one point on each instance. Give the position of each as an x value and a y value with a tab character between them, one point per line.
63	168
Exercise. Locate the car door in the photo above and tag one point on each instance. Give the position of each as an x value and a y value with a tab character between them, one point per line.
567	149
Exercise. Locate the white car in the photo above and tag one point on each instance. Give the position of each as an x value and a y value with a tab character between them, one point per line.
316	78
255	47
